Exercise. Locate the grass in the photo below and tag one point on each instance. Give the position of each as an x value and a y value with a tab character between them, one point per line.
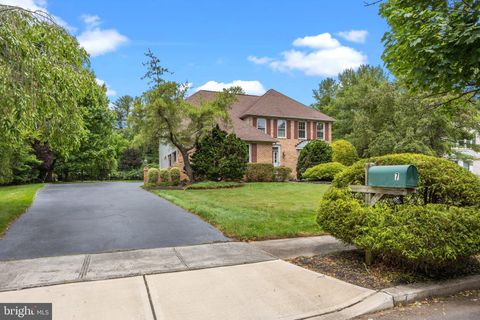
15	200
214	185
256	211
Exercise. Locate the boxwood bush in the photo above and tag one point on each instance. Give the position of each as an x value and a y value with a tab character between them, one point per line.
315	152
344	152
164	176
152	175
429	237
175	176
259	172
323	171
441	181
282	173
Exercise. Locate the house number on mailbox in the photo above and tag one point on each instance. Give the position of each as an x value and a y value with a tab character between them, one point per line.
396	176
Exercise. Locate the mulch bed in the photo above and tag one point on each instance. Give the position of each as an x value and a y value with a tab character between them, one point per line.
349	266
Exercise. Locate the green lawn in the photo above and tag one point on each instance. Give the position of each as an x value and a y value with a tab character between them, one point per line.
257	210
15	200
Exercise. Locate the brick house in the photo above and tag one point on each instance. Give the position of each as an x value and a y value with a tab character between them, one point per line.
274	126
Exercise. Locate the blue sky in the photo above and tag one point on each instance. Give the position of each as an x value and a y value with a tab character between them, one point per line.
286	45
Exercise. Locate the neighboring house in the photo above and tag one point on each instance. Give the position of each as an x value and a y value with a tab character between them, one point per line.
472	158
274	126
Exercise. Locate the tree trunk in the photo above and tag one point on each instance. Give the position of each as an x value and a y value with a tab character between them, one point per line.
186	164
47	156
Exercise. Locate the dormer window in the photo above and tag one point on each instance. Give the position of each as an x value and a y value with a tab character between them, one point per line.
262	124
282	129
302	130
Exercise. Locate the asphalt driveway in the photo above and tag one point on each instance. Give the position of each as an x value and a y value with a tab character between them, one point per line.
101	217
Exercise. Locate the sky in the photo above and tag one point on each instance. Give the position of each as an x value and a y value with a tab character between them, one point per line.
286	45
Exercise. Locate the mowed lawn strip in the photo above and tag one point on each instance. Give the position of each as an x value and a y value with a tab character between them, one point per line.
15	200
257	210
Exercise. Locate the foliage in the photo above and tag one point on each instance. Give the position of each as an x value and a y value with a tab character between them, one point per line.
164	176
175	176
163	114
214	185
440	180
282	173
14	201
433	45
259	172
220	156
315	152
325	95
424	236
256	210
344	152
323	171
379	116
134	174
122	108
43	76
153	174
130	159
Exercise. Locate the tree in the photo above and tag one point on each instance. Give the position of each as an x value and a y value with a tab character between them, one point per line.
433	45
315	152
43	75
325	94
220	156
163	114
122	108
344	152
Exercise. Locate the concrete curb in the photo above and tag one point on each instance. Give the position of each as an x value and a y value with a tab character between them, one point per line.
415	292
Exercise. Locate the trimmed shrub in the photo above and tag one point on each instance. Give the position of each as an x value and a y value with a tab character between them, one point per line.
344	152
259	172
428	237
282	173
441	181
164	176
175	176
152	175
214	185
220	156
315	152
323	171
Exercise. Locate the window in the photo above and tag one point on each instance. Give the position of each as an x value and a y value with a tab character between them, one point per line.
262	125
302	130
281	128
320	131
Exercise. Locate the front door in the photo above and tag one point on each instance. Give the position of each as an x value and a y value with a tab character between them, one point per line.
276	155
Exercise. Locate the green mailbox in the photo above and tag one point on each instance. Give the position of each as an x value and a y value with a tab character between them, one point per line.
401	176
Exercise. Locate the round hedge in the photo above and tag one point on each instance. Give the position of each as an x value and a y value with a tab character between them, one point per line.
323	171
315	152
153	175
441	181
431	236
344	152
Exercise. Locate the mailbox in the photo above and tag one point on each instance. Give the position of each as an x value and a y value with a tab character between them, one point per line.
401	176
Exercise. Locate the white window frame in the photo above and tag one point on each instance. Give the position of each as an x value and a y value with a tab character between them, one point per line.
322	124
285	128
264	130
304	130
279	155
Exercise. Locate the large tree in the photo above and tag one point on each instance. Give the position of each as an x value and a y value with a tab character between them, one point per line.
164	115
43	76
433	45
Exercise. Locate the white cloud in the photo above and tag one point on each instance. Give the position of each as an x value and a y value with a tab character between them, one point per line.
110	91
357	36
99	41
324	56
250	87
320	41
37	5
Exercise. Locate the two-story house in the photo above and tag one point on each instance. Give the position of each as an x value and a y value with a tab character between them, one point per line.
274	126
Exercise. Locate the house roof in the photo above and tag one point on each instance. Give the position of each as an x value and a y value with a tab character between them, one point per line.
271	104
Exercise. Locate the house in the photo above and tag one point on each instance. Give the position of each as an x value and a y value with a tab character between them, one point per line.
470	159
274	126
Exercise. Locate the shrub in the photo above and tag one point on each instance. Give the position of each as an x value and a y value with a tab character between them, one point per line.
136	174
214	185
153	175
220	156
315	152
164	176
344	152
441	181
175	176
431	236
259	172
282	173
323	171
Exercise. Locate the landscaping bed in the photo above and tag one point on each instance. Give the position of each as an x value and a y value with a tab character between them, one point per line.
350	266
256	211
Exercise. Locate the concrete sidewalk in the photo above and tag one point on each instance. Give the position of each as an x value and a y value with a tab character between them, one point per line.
264	290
